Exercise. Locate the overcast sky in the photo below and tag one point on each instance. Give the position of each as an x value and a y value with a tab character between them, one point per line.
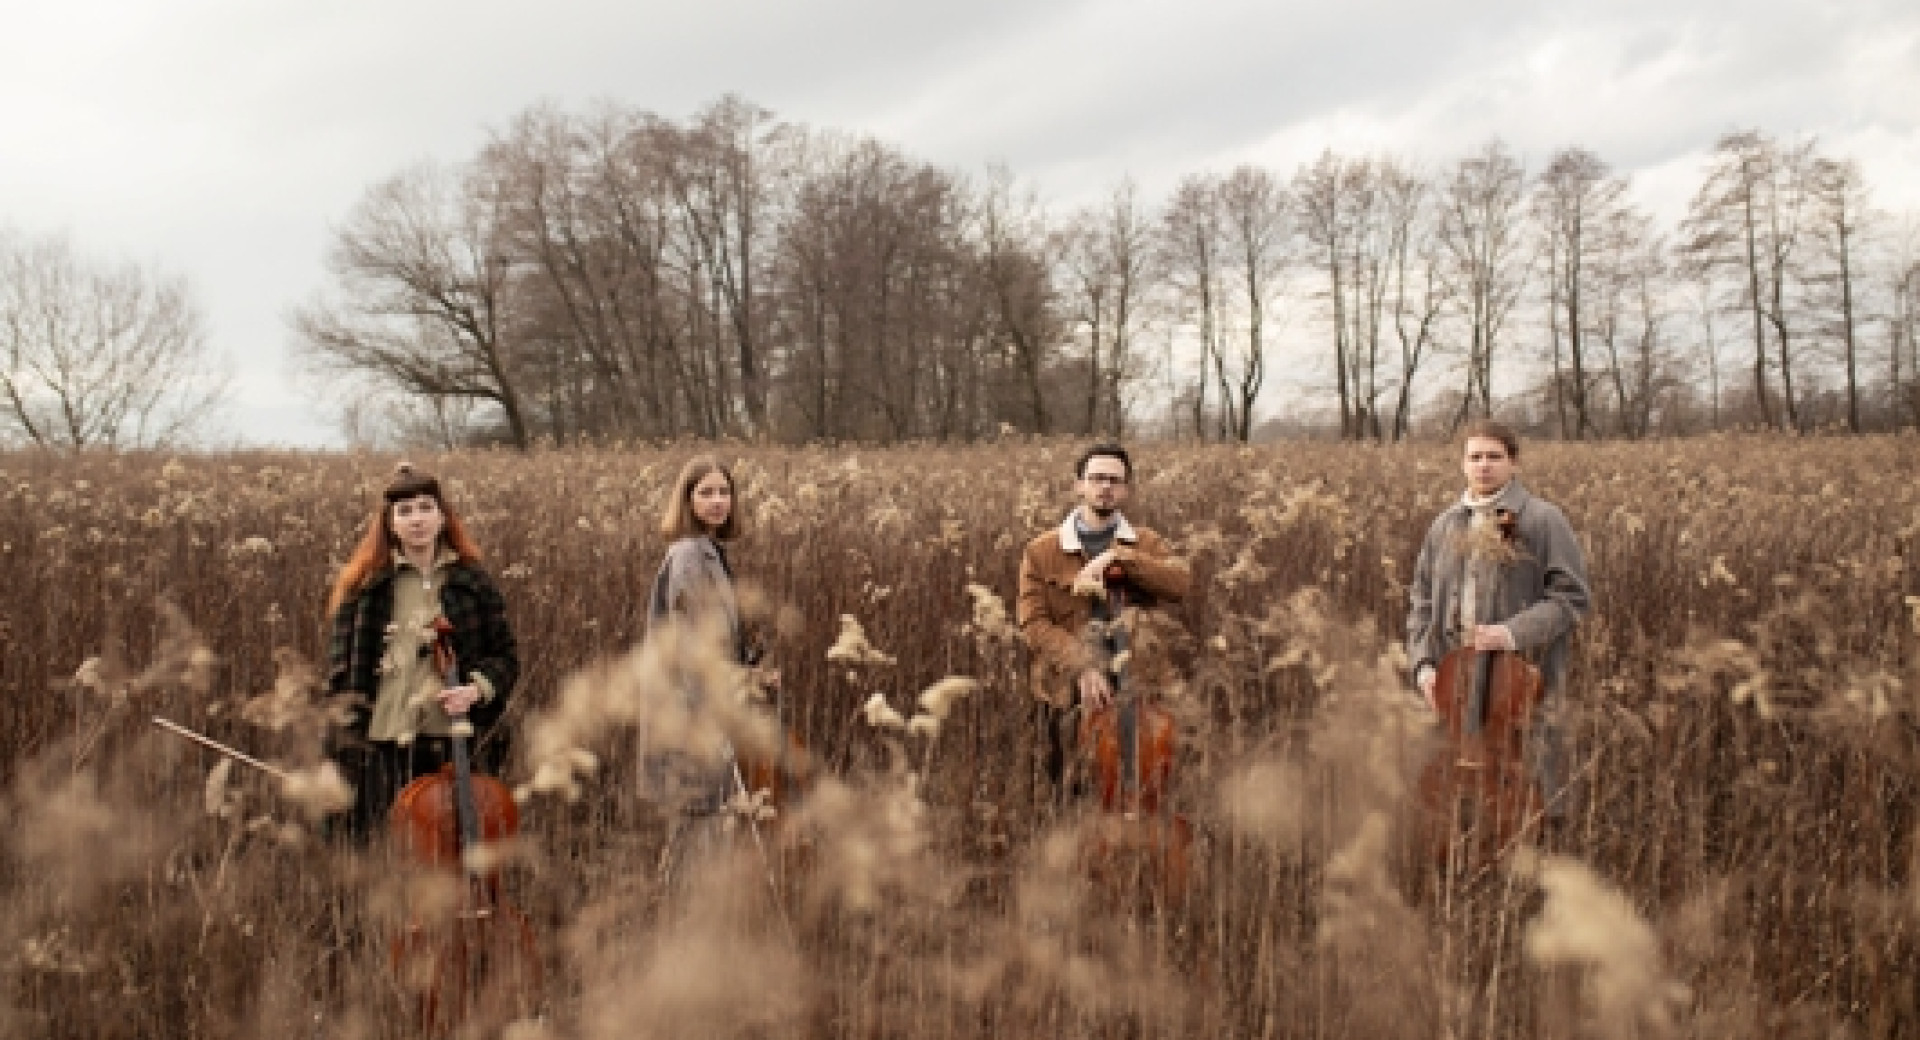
222	140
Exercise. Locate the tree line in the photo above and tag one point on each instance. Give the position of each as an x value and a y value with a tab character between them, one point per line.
614	274
611	274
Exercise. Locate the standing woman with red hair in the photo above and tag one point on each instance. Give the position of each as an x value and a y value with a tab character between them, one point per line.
414	564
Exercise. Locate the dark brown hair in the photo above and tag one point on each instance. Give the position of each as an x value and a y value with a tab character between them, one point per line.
677	520
1108	450
1493	431
375	551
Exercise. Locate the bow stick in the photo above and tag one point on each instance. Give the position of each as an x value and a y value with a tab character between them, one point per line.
208	742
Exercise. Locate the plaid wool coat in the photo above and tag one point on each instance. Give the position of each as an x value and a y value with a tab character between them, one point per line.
482	642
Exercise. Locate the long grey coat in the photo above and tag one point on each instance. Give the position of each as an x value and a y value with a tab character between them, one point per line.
693	582
1539	596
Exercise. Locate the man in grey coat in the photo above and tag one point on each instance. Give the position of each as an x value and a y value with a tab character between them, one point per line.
1471	587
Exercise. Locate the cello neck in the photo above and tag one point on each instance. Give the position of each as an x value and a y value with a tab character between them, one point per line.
1126	702
1479	691
466	813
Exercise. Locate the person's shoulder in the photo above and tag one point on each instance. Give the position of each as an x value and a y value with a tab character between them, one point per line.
375	583
1543	511
692	555
470	574
1046	541
691	547
1149	538
1446	517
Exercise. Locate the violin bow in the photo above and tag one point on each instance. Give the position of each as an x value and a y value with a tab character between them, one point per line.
208	742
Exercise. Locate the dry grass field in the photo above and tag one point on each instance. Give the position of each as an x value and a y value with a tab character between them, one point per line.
1745	711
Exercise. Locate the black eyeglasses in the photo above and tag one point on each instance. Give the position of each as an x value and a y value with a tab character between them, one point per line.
1105	478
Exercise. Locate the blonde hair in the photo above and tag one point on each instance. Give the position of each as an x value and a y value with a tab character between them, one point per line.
677	520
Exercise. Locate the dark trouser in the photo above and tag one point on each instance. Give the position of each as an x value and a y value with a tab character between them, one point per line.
1059	752
379	770
695	843
1546	748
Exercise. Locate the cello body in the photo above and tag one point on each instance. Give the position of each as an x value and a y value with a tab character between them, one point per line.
1478	797
1102	733
1136	822
424	825
474	959
783	776
1129	748
469	960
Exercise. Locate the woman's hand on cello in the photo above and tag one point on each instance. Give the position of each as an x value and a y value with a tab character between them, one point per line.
1492	637
455	700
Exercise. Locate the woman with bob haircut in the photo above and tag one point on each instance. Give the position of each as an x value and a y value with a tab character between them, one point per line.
694	588
415	564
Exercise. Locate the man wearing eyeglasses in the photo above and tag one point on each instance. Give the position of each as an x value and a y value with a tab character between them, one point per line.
1065	606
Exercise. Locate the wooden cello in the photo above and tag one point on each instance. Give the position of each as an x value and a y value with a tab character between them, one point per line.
475	960
1477	794
784	773
1130	748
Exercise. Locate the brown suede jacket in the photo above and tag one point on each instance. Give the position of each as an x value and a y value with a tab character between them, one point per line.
1054	620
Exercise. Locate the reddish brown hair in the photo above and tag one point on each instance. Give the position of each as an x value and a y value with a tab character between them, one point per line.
374	554
677	520
1487	429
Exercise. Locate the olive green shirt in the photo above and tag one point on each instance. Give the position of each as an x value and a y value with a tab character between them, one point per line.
406	704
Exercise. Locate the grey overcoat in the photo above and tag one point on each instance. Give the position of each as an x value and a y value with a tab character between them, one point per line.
694	583
1540	594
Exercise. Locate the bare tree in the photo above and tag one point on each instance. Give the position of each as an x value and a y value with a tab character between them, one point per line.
1087	292
584	207
1017	268
1480	232
1110	267
424	302
1574	198
723	180
1628	314
1193	240
880	300
1903	321
1840	209
1416	293
1747	216
1253	210
1700	294
98	355
617	274
1341	216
